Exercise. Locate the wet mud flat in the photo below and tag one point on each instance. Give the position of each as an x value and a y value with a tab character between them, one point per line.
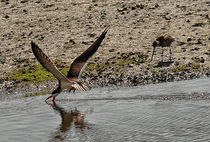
64	29
138	79
176	111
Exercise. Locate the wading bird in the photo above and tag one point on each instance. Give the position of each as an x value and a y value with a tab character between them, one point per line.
71	81
164	40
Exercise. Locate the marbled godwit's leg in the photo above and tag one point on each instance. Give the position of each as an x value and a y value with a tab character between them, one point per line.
170	52
162	55
153	52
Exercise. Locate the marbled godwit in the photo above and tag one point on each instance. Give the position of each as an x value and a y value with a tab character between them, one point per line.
71	81
164	40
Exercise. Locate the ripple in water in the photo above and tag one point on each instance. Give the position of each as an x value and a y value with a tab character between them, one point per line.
176	111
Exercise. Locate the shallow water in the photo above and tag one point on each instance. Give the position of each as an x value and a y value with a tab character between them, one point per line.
176	111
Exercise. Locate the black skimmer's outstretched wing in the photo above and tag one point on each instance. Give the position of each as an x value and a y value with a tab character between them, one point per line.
47	63
81	61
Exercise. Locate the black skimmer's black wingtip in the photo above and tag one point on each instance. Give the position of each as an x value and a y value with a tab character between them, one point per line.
106	30
33	44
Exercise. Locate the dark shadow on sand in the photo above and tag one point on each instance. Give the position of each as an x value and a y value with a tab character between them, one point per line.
164	64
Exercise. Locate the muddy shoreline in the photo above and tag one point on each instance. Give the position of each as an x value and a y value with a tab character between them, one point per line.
10	87
64	29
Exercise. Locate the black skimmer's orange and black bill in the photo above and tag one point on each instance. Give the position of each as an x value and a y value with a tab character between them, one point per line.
71	81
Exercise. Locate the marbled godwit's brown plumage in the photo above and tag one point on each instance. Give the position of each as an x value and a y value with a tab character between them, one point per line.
164	40
71	81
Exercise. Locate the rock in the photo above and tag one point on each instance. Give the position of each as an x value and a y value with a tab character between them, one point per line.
199	41
189	39
6	16
180	43
183	49
111	50
202	60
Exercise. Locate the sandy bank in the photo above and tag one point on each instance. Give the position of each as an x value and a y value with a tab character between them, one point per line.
63	29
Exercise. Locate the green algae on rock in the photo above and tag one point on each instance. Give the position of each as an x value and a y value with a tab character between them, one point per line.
30	73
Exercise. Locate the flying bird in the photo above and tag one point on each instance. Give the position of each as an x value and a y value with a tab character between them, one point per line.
164	40
70	82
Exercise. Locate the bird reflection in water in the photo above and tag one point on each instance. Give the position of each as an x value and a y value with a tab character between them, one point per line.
70	119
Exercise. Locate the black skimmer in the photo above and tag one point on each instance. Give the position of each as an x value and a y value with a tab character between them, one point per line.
164	40
71	81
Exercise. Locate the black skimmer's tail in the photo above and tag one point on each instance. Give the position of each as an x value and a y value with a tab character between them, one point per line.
71	81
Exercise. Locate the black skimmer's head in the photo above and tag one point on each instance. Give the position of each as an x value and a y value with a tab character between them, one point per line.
71	81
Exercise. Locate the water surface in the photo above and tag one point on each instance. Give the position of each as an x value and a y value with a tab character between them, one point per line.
176	111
